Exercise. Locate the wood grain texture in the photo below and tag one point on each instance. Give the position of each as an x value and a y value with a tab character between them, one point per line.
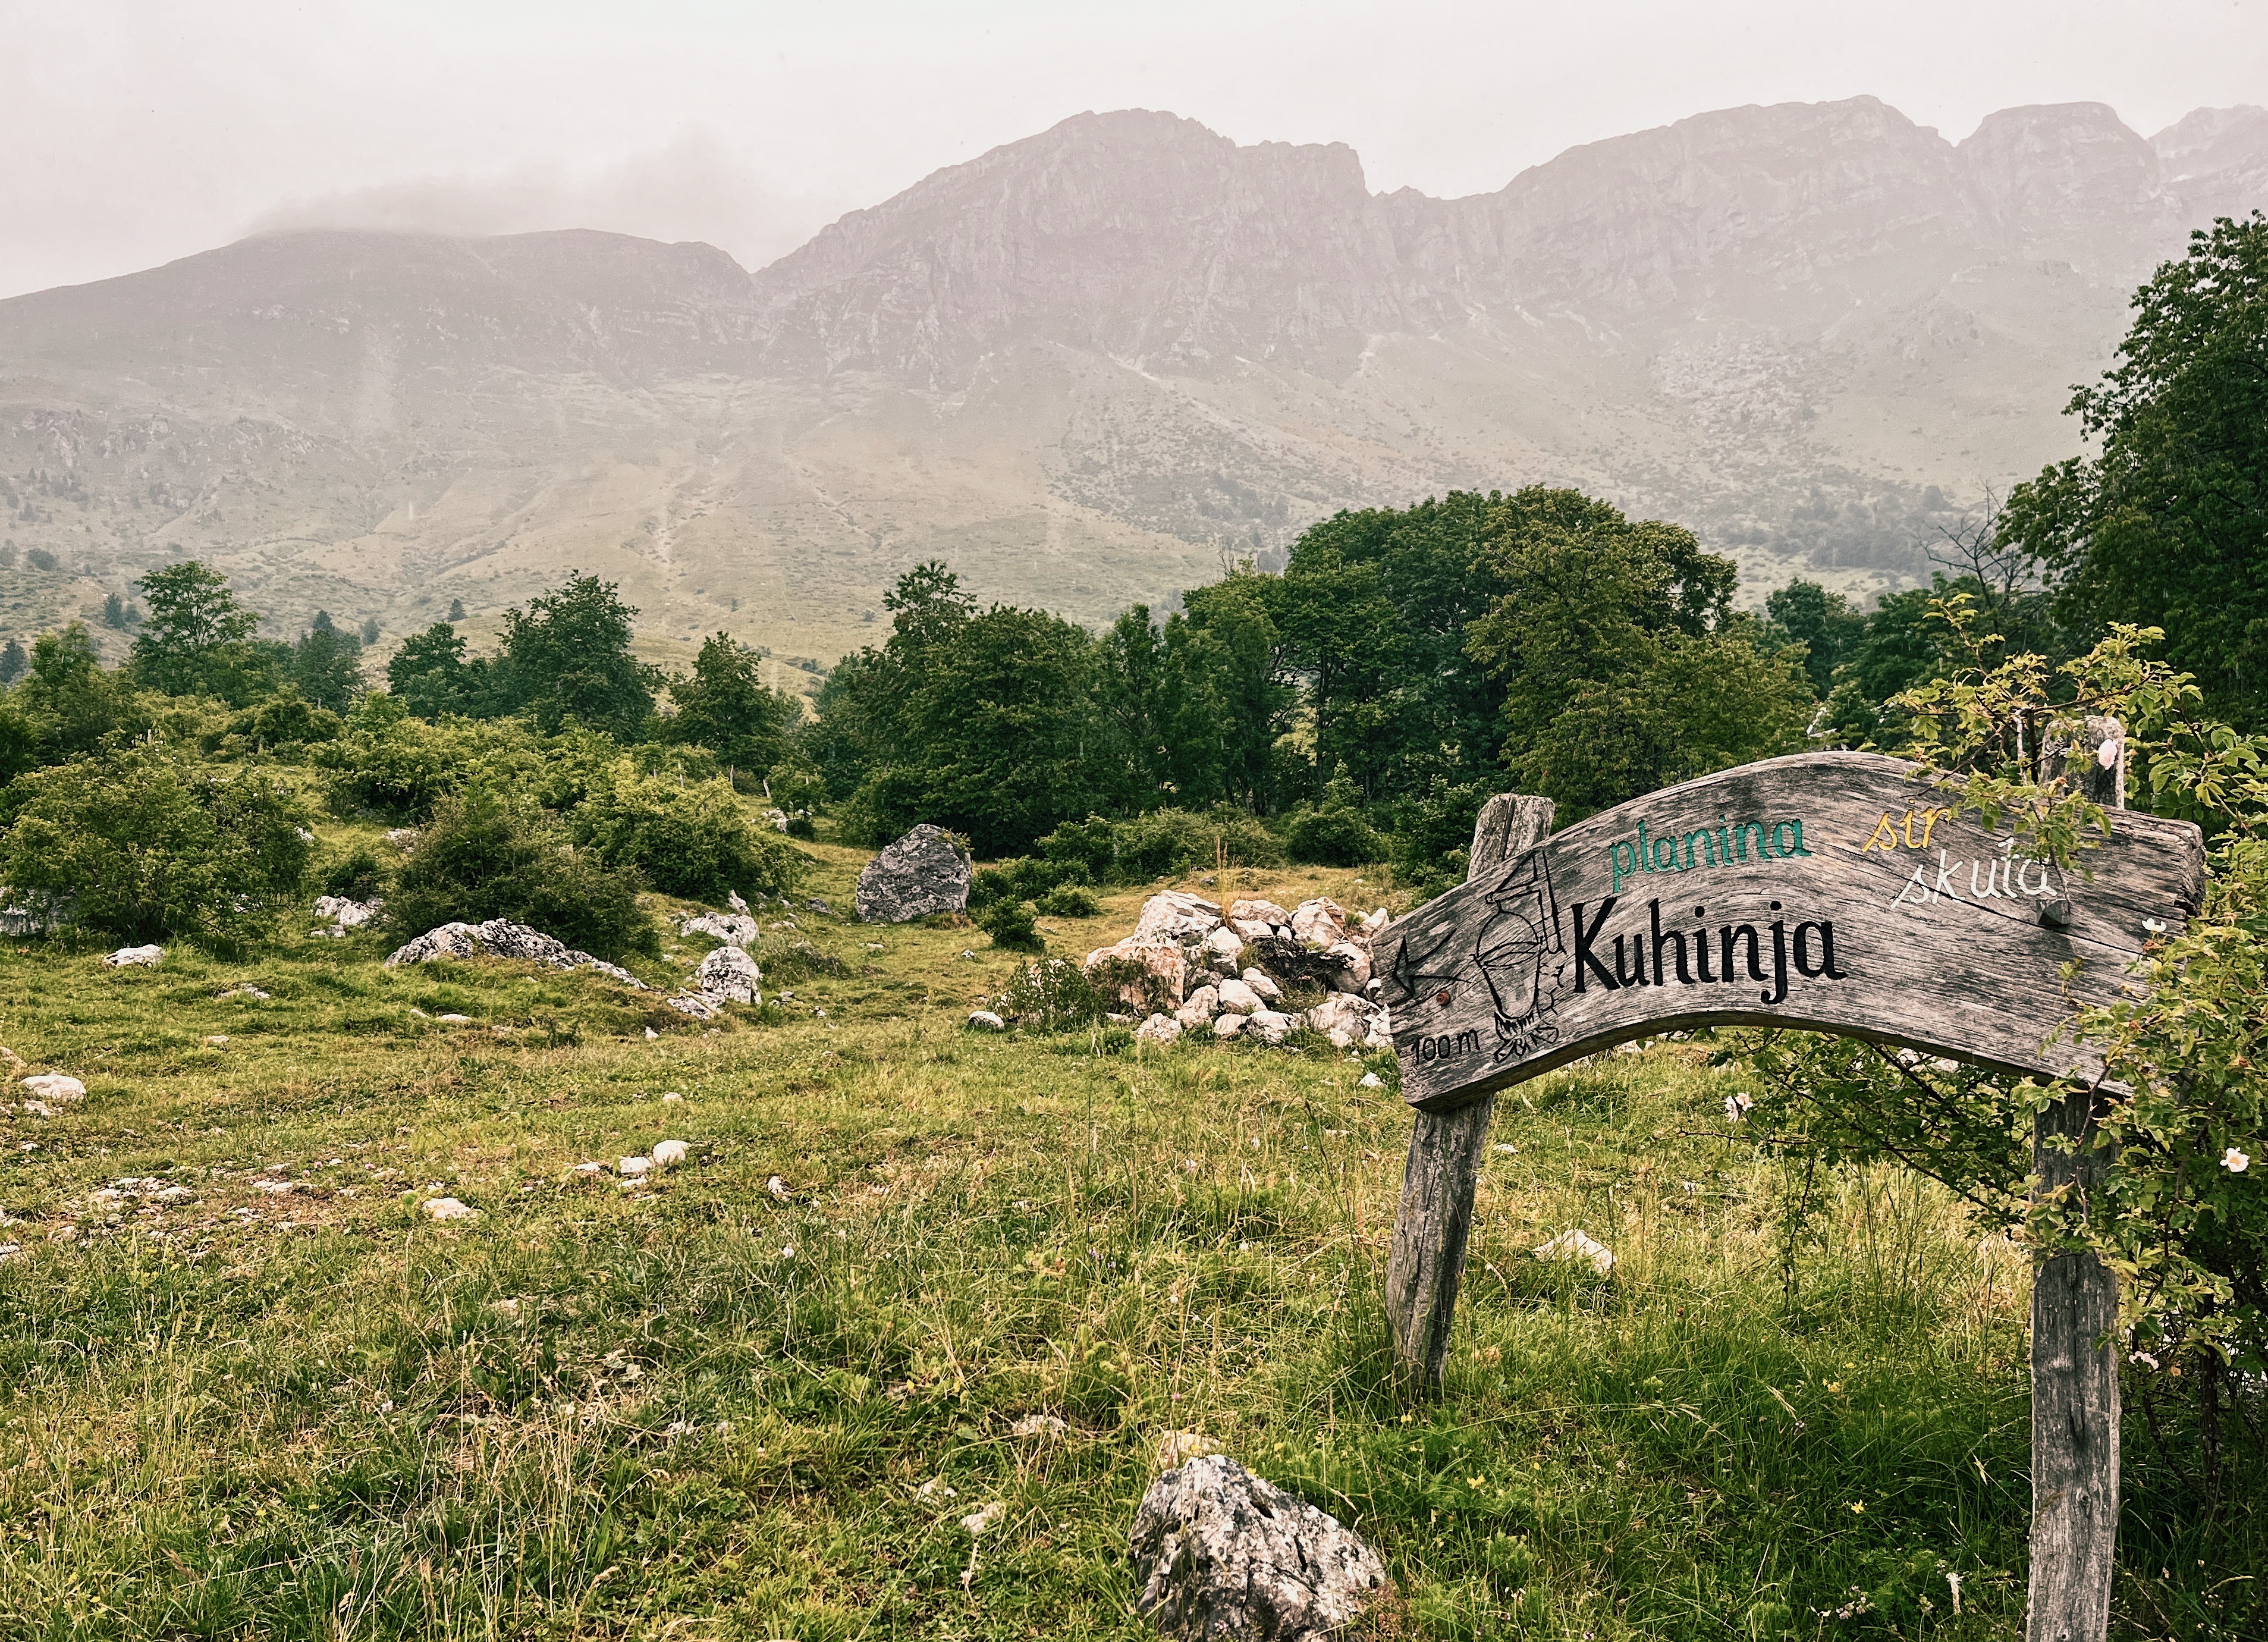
1937	941
2075	1410
1425	1266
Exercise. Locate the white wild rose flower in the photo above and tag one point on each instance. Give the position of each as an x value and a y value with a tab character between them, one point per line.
2234	1161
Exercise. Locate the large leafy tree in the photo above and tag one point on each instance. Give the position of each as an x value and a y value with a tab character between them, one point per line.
1376	607
432	678
196	638
1254	682
1624	667
326	665
724	705
568	656
2167	525
69	701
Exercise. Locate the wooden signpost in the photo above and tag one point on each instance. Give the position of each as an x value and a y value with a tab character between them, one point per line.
1827	891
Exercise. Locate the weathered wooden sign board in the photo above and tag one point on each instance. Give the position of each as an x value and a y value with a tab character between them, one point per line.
1826	890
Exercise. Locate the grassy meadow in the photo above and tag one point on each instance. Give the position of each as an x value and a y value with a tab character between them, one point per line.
247	1389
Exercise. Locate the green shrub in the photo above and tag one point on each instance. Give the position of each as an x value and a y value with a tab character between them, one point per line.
1024	877
483	856
283	721
146	845
1433	833
391	764
1069	901
1010	924
696	839
1053	995
1333	836
358	878
1162	844
799	826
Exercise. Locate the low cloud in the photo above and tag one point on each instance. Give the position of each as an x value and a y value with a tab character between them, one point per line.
696	187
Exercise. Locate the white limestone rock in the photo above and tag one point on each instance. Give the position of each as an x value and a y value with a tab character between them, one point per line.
1177	916
1222	1554
729	975
1159	1029
1198	1008
1228	1025
1574	1245
1237	998
727	929
135	958
1271	1026
1262	988
985	1021
1353	971
1342	1018
1320	922
54	1086
500	938
448	1209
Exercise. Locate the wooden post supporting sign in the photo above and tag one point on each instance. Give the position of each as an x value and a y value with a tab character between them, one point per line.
1427	1259
2074	1320
1827	891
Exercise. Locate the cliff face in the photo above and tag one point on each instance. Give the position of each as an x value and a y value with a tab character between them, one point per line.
1137	236
1086	366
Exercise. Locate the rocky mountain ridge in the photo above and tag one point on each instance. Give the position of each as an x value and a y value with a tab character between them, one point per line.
1090	367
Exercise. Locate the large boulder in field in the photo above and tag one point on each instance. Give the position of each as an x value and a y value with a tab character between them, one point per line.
500	938
1222	1553
922	873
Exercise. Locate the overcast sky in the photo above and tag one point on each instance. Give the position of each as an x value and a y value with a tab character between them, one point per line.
134	133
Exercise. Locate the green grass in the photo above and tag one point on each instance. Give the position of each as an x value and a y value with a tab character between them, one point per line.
713	1407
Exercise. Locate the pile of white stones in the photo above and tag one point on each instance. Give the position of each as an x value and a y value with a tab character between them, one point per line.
1225	972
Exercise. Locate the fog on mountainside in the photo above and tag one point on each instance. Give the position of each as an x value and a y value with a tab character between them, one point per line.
1090	367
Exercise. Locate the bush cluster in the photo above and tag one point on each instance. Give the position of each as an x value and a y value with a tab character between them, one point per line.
485	856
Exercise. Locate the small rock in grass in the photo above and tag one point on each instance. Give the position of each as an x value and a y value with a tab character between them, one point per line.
1574	1245
1038	1425
589	1169
1368	1080
454	1020
1198	1008
38	1108
650	1034
631	1168
778	1189
1158	1029
54	1086
448	1209
1229	1026
985	1021
668	1153
135	957
1271	1026
1222	1553
978	1521
217	1040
